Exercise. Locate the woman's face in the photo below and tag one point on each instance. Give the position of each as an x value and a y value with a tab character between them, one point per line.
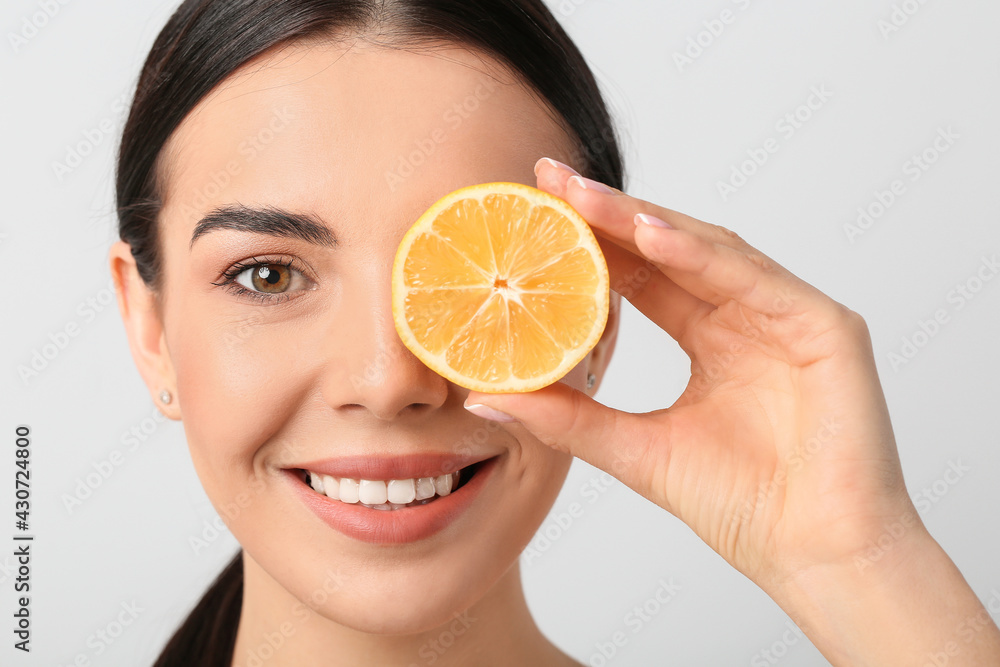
302	368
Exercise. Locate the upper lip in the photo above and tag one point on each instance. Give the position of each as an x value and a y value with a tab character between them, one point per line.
400	466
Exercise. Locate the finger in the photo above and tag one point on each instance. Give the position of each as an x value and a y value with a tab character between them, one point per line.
725	268
553	177
643	284
570	421
717	273
610	212
711	262
634	277
613	214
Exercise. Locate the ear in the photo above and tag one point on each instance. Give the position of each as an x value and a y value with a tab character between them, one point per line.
140	312
600	355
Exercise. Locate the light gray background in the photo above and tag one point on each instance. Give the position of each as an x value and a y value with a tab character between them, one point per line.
683	129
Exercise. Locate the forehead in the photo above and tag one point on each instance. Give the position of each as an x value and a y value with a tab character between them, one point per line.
344	129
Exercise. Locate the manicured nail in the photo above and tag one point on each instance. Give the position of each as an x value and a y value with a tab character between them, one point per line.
651	220
590	184
485	412
557	164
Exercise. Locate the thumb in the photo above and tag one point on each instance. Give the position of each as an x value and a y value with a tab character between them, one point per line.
570	421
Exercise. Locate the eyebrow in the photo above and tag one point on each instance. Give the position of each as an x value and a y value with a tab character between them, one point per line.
269	220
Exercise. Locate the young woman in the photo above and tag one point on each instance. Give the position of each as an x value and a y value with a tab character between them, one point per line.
274	155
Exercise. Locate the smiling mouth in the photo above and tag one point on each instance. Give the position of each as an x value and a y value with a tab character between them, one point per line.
395	494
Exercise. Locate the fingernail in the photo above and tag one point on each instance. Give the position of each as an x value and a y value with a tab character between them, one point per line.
590	184
485	412
557	164
652	221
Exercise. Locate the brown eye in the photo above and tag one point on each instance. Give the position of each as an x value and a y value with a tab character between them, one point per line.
267	278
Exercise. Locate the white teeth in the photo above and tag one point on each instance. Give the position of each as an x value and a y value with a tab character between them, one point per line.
384	495
425	488
349	490
443	484
331	484
401	491
372	492
316	482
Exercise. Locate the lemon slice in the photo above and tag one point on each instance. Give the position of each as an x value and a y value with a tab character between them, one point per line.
500	287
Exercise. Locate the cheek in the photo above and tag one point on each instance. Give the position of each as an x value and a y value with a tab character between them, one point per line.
236	389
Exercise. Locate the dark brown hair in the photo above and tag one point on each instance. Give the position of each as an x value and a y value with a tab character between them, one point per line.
207	40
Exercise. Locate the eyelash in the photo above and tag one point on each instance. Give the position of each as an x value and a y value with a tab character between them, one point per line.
229	283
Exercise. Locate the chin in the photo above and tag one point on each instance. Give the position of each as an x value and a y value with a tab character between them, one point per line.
406	611
383	594
391	589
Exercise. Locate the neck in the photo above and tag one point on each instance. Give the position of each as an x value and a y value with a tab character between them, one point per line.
277	630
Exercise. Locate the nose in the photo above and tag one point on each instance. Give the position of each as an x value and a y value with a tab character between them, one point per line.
383	378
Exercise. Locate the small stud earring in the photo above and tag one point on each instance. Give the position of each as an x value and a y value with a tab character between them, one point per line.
165	397
591	379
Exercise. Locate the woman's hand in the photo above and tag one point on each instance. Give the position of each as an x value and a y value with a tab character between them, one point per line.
779	453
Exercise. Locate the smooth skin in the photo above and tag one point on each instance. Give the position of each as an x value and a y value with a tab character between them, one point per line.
779	453
318	129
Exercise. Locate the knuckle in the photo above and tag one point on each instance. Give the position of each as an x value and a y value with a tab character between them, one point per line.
761	262
833	327
842	319
854	321
728	235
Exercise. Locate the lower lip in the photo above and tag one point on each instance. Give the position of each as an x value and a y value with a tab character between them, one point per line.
401	526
